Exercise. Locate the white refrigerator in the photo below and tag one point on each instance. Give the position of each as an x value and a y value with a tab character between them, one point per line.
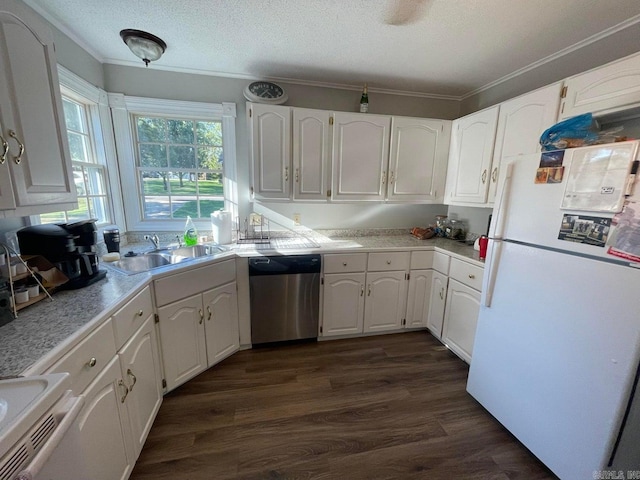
557	346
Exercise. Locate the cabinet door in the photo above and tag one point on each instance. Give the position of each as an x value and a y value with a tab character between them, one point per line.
418	160
360	155
608	89
343	304
32	114
460	319
223	334
310	154
271	150
437	302
140	365
182	338
102	428
520	124
470	157
418	298
386	301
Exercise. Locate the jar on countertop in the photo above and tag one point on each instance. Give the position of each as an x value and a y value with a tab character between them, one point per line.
441	224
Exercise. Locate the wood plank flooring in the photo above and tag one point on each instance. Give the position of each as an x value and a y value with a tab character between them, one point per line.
383	407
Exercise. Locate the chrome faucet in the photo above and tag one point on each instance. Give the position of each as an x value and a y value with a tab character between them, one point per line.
154	239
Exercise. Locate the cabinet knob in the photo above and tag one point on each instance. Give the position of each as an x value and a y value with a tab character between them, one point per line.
201	316
209	313
484	176
388	262
494	175
286	174
344	264
92	362
140	313
369	291
471	275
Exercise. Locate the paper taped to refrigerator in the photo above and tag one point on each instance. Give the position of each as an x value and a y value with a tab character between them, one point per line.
598	177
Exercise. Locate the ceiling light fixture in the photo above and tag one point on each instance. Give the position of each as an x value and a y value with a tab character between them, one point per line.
144	45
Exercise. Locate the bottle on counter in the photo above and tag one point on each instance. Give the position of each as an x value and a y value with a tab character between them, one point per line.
190	233
364	100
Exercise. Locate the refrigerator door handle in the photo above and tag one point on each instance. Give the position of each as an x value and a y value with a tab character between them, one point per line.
491	269
502	201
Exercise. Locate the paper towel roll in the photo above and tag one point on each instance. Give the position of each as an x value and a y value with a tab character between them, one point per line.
221	226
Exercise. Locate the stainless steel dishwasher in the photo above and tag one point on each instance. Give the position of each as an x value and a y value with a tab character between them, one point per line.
285	293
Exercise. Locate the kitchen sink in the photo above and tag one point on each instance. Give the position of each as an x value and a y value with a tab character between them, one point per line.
167	256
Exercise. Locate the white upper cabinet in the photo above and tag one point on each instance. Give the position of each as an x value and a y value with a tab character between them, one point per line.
311	150
520	123
360	156
608	89
470	156
31	115
418	159
270	150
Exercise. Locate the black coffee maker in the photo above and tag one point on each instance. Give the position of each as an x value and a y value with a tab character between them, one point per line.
70	247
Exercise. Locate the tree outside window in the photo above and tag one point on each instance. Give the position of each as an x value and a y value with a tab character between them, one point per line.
180	166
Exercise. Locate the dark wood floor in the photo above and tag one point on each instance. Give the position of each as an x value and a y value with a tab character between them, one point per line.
384	407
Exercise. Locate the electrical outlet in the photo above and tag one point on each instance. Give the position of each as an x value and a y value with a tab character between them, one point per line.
296	219
255	219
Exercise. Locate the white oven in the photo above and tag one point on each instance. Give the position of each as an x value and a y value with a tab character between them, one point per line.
35	414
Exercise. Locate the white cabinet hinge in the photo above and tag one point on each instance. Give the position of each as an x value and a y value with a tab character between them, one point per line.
320	328
250	112
563	92
330	120
164	383
408	275
156	318
322	281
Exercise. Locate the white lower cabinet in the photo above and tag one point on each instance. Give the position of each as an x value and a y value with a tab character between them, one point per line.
182	337
102	427
221	327
122	391
343	304
418	298
386	300
437	303
140	370
462	307
198	319
461	318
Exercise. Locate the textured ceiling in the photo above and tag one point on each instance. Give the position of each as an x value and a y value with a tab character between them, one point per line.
456	47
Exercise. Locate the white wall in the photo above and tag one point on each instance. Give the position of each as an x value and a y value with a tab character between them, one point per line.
150	82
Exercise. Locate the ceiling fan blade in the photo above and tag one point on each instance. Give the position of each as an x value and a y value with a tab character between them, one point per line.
405	12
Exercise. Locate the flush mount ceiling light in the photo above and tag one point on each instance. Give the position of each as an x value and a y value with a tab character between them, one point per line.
144	45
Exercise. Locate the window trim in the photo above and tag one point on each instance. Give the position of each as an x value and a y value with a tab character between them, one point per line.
99	120
122	110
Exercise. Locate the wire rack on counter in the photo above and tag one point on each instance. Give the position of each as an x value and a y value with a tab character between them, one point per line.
256	235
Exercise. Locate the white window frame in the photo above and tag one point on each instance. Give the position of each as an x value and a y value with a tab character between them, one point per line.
123	108
100	126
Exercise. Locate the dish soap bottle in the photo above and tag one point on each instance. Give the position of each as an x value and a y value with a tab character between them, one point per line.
190	233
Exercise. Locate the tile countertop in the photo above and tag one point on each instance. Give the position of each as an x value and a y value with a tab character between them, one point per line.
57	325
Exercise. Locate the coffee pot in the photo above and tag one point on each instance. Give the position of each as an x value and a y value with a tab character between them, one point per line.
70	247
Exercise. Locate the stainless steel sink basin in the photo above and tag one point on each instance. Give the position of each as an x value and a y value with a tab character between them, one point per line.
163	257
193	251
141	263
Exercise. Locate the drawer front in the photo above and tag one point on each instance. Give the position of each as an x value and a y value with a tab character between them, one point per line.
441	262
129	318
345	262
422	260
470	275
185	284
87	359
384	262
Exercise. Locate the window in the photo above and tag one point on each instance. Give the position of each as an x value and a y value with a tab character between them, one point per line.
87	118
176	159
179	166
